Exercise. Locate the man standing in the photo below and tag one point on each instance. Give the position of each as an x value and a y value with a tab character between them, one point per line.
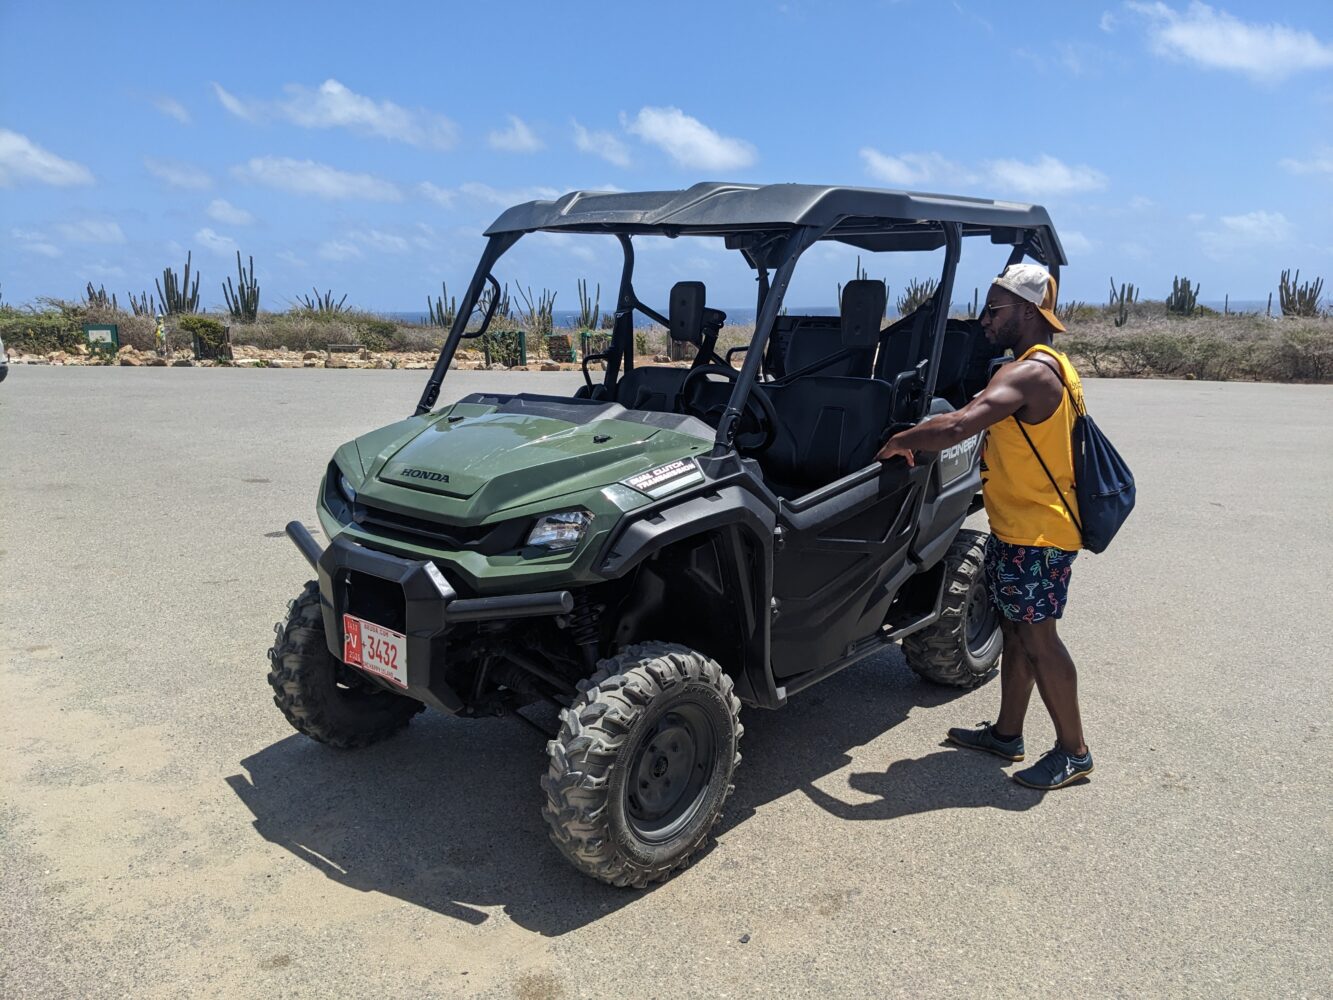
1028	410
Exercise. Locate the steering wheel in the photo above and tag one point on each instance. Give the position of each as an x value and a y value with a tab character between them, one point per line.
758	412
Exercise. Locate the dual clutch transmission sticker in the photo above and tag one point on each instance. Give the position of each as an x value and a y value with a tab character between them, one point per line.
667	478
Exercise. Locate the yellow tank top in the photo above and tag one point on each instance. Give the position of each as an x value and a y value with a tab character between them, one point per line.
1020	501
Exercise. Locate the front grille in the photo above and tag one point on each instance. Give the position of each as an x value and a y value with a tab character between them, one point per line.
488	539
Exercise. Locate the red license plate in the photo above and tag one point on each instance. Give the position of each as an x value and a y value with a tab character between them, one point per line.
375	649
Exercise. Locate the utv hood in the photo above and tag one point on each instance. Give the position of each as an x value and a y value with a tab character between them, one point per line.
510	451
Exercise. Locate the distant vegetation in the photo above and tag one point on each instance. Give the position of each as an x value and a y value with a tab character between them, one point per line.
1176	337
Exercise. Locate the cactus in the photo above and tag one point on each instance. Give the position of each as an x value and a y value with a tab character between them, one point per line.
1297	299
243	300
1121	302
915	295
324	304
141	306
443	310
973	310
539	315
178	296
589	309
1182	300
96	298
504	309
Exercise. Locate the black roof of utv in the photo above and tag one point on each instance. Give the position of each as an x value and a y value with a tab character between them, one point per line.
869	218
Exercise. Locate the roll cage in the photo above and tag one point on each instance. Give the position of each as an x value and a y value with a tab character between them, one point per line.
771	226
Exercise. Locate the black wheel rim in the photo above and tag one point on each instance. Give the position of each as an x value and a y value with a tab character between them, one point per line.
982	618
669	774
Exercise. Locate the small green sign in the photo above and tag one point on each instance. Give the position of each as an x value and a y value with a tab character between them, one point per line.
102	336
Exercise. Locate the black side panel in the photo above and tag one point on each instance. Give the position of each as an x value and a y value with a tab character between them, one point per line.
955	480
834	566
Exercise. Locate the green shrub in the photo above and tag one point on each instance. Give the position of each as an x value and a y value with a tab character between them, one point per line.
377	334
30	332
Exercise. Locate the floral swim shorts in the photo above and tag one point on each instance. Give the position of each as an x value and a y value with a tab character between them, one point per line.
1028	583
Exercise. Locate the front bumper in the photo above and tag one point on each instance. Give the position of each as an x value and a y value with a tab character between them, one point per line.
429	608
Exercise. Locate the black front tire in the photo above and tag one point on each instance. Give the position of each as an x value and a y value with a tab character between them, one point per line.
963	646
321	697
655	712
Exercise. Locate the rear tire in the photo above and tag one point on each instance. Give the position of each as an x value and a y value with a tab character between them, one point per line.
963	646
321	697
642	764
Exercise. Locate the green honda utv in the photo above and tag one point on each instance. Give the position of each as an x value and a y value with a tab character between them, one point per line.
669	542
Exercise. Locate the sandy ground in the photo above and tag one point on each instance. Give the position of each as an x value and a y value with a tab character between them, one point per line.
164	833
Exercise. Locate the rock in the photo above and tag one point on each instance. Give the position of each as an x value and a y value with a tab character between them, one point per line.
81	349
246	362
130	360
156	362
496	368
312	355
285	363
313	363
183	363
364	354
336	361
126	349
551	366
415	365
57	357
661	359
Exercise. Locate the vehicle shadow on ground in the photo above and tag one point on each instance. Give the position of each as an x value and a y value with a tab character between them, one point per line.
447	815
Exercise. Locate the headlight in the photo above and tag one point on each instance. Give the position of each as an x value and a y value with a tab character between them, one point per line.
346	488
558	532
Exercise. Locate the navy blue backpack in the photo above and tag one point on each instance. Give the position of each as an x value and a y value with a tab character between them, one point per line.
1102	481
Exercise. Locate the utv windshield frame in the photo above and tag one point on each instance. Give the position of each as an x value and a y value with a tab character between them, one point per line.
771	226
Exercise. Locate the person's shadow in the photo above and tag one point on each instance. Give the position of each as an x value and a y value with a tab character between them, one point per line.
448	814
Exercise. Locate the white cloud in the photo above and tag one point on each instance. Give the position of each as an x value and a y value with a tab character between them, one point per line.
603	144
91	231
338	250
101	269
1217	40
1076	243
377	240
1251	231
332	105
1141	203
172	108
233	103
224	246
1264	227
505	198
21	159
290	258
318	179
179	175
220	210
911	170
689	141
34	242
1321	163
433	192
517	138
1045	177
1107	23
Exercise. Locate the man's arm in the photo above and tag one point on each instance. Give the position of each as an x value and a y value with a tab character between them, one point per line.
1002	397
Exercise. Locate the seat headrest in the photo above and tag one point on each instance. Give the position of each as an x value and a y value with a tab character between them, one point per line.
686	312
863	302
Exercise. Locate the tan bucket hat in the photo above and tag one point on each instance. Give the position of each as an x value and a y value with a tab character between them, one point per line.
1032	283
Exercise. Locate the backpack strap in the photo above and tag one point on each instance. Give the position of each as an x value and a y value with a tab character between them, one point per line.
1058	492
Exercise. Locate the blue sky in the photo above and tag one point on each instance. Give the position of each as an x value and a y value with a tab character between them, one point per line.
364	147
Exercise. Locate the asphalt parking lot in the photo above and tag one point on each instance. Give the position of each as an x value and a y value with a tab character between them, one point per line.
164	833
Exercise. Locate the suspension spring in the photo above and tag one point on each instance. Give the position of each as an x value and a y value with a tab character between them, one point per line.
584	625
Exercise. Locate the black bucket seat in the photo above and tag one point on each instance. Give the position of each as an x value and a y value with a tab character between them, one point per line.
831	425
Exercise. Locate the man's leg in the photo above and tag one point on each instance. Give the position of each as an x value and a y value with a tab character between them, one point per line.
1056	678
1016	680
